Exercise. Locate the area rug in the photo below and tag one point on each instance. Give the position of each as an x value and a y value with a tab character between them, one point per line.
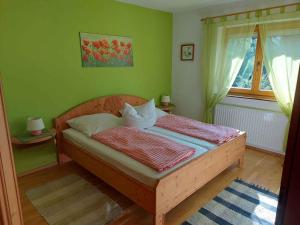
71	200
240	203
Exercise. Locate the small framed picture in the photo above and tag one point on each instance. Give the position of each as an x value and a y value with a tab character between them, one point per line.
187	52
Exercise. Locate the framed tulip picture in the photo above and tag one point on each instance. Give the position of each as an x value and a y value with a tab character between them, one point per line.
105	50
187	52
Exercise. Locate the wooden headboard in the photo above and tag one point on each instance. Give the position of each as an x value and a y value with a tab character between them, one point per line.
109	104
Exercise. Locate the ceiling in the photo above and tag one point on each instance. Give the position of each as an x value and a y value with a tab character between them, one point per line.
178	5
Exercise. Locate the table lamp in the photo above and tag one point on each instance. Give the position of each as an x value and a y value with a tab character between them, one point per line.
35	125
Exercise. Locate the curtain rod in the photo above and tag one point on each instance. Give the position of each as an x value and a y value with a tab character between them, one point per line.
250	11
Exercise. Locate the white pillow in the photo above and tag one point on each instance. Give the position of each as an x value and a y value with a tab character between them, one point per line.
159	112
92	124
143	117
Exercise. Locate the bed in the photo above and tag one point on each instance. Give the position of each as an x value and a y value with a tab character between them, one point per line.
161	194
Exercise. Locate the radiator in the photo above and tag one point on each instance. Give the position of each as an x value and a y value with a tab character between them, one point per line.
265	129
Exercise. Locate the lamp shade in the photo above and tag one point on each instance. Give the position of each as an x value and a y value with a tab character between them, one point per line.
165	99
35	124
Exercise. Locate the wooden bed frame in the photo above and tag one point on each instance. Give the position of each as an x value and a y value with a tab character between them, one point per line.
170	190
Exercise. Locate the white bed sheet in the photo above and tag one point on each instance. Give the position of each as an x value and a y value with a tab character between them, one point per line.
130	166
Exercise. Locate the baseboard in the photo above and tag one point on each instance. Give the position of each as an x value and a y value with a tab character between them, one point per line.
38	169
281	155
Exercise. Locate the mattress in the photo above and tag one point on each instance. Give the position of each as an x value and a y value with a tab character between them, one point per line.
130	166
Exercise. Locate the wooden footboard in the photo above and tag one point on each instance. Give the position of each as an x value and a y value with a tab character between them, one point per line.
170	190
177	186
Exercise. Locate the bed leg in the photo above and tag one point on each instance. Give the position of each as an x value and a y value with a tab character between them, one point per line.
159	219
241	162
62	159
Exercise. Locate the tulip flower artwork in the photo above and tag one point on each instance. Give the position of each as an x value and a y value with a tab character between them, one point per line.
105	51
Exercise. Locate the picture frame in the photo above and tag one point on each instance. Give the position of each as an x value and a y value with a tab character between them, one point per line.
99	50
187	52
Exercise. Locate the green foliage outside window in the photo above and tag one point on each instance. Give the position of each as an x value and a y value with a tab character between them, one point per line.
245	76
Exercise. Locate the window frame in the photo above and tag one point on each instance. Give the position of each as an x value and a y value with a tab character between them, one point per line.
255	91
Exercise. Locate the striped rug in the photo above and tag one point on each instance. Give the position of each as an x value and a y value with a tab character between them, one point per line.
73	201
240	203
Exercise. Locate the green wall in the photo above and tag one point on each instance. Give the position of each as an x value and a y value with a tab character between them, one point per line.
40	56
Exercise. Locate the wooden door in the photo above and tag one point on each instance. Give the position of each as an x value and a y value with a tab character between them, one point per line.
289	199
10	207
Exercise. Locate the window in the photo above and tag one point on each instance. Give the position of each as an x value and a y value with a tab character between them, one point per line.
252	79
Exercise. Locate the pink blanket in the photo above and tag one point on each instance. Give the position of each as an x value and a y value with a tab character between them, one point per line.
152	150
197	129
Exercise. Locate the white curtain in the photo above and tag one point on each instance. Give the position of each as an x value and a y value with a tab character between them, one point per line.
281	49
224	51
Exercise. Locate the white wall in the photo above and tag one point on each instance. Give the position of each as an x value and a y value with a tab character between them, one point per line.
187	93
187	80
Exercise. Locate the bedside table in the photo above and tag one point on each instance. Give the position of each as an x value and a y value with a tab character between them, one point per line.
28	139
34	153
167	109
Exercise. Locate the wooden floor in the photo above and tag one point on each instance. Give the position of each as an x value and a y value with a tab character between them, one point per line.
260	168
